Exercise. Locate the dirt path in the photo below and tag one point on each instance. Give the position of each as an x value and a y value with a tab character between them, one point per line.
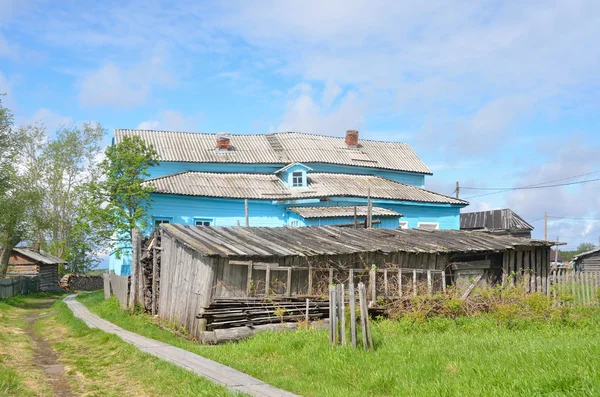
43	353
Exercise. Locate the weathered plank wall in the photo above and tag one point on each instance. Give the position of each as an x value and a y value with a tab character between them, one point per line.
186	284
49	280
119	286
530	268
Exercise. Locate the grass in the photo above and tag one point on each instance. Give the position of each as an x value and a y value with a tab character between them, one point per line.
97	363
464	356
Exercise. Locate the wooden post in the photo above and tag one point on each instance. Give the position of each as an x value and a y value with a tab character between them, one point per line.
154	279
373	284
336	334
330	275
307	310
342	315
457	189
246	213
355	219
310	280
429	283
414	283
134	275
385	283
268	281
443	281
288	286
331	313
249	281
363	315
352	313
400	282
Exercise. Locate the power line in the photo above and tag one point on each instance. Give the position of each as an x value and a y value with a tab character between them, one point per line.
502	190
574	218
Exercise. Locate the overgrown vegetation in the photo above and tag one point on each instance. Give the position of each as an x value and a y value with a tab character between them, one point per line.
502	342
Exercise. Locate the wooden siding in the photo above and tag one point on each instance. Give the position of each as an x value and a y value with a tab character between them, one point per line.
591	263
186	284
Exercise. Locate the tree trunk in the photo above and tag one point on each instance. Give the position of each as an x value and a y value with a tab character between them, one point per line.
5	255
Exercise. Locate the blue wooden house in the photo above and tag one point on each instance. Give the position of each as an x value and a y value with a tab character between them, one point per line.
288	179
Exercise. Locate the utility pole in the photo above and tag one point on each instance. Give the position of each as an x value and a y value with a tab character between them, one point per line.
556	253
457	189
246	216
545	226
369	210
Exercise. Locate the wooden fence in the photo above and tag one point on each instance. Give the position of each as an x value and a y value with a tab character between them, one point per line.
576	288
12	286
118	286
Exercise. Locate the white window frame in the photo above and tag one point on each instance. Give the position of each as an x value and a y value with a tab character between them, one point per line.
403	224
437	224
294	223
297	179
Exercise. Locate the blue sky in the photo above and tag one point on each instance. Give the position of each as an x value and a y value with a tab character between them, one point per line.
491	94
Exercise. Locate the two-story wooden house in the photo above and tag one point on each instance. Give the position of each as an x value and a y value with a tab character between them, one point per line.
288	179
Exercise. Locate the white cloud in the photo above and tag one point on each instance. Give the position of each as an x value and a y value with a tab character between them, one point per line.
307	114
51	120
172	120
126	88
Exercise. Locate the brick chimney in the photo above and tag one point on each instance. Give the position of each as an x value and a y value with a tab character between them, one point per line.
352	139
223	142
36	247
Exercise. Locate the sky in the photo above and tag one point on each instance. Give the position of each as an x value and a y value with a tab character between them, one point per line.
490	94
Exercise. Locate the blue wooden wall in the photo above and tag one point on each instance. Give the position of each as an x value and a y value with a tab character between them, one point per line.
168	168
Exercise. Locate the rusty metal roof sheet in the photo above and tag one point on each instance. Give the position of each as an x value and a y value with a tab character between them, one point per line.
279	148
271	187
347	211
503	219
264	242
36	256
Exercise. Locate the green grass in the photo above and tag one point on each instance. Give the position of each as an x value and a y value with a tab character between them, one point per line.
98	364
437	357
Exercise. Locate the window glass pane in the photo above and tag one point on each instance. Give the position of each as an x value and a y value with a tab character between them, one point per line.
297	179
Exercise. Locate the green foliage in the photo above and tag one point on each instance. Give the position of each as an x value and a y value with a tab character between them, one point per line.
461	356
583	247
119	202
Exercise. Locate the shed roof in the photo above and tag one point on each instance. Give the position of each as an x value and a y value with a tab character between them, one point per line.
586	254
279	148
36	256
264	242
502	219
271	187
347	211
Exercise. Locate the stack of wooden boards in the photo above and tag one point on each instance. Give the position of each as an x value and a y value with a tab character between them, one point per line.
247	312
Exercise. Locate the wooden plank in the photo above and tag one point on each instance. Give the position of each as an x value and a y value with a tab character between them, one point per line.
429	283
342	315
154	279
529	277
352	313
268	281
331	313
385	283
363	314
249	283
414	283
373	284
505	269
444	281
400	282
134	270
288	286
310	280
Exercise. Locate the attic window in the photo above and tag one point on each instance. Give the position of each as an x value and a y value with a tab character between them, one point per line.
297	179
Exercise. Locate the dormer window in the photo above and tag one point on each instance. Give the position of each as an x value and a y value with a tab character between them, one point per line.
297	179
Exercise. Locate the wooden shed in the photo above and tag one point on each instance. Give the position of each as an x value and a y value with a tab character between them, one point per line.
201	264
587	261
30	262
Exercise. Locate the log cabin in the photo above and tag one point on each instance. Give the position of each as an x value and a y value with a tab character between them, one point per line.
31	262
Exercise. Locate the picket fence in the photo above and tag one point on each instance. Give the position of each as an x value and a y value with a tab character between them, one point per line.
576	288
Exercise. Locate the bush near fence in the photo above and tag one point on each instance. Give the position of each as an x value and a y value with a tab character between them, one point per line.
12	286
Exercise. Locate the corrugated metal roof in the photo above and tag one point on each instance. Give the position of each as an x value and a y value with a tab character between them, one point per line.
270	187
38	256
264	242
584	254
503	219
279	148
334	212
